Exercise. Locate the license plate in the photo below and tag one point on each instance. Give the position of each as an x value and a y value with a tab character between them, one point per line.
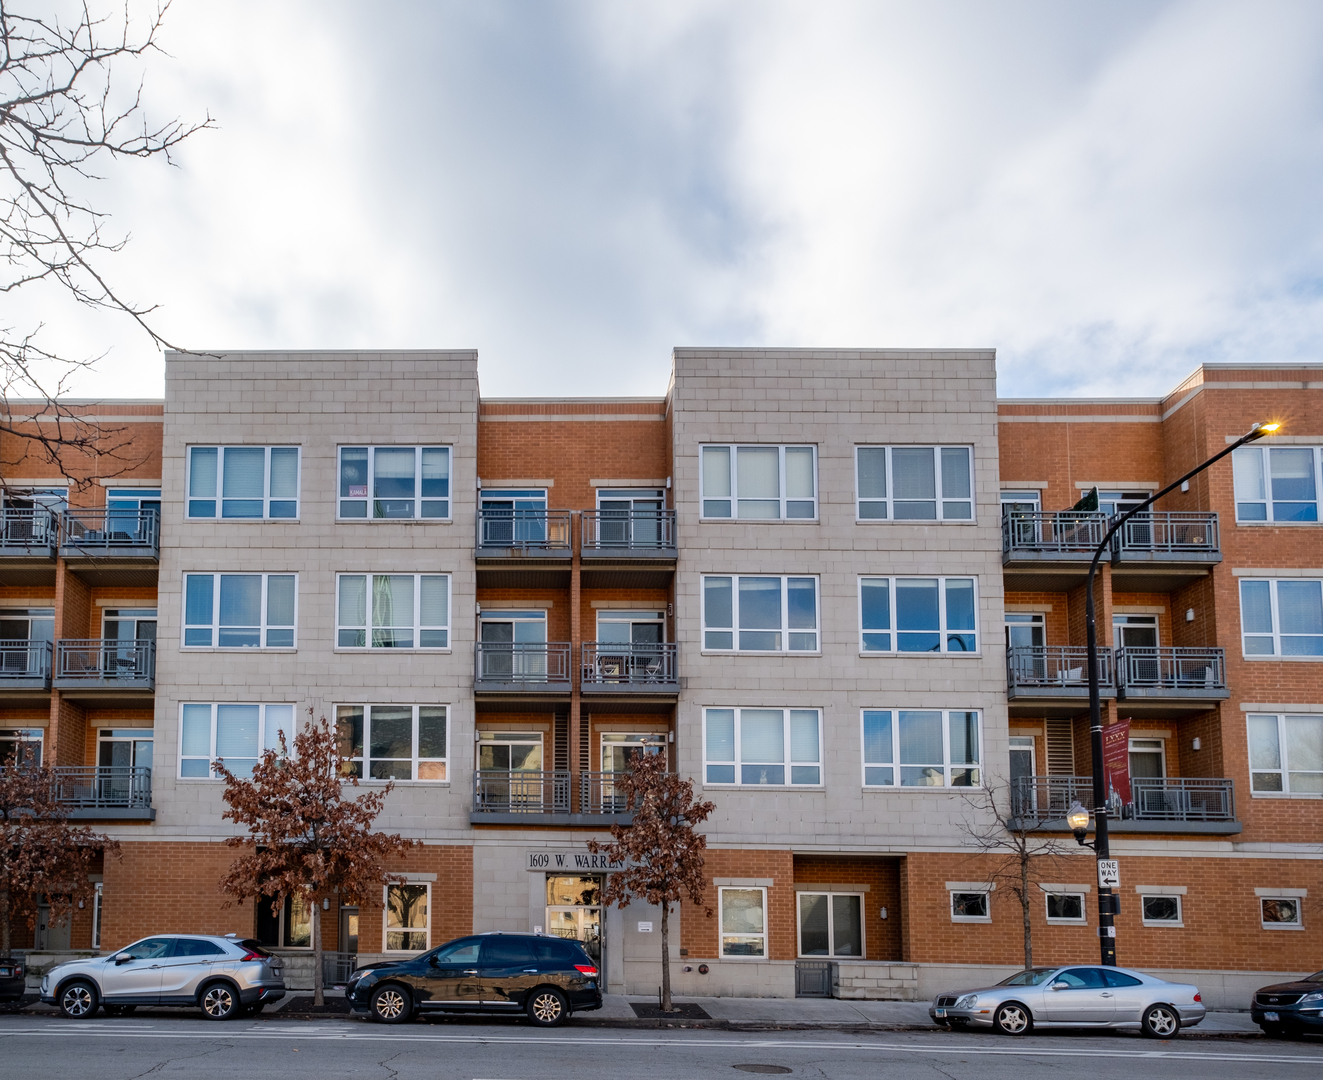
1272	1018
5	973
940	1013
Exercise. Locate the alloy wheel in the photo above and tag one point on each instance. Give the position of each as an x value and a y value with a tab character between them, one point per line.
547	1007
78	1001
389	1004
1011	1019
218	1002
1161	1022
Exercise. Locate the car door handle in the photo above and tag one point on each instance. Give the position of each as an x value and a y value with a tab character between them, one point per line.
1106	994
530	971
470	971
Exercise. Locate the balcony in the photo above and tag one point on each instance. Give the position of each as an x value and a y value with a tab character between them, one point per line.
104	668
1160	551
1160	804
112	547
1049	551
627	669
1053	680
1171	682
523	549
521	669
25	665
27	534
506	797
627	549
119	792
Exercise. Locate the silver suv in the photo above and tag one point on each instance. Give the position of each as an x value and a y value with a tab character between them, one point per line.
223	976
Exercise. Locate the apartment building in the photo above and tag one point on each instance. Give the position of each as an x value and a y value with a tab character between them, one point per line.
841	590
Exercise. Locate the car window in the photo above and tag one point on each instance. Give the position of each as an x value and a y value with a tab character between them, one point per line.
1116	978
196	947
463	951
151	948
551	951
506	952
1316	977
253	946
1082	978
1032	977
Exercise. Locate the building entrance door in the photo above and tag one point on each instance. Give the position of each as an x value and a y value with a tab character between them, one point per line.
574	910
51	935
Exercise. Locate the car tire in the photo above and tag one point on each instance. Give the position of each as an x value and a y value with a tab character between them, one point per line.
547	1007
1012	1018
1160	1022
78	1000
219	1001
390	1004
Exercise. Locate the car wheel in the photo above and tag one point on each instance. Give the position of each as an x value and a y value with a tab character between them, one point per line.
1012	1019
219	1002
78	1000
547	1007
390	1004
1160	1022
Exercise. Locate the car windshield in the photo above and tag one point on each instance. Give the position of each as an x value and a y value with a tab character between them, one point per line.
1031	977
1316	977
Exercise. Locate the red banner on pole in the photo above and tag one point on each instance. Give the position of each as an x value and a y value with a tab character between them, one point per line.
1116	759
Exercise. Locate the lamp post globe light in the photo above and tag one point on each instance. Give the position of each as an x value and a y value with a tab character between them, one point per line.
1078	818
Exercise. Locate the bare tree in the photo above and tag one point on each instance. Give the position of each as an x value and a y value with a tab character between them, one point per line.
662	855
305	838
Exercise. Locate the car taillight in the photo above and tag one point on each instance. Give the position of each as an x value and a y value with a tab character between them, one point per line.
250	955
1197	996
587	969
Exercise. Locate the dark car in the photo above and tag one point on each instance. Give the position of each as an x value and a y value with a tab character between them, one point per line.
1290	1008
546	978
13	979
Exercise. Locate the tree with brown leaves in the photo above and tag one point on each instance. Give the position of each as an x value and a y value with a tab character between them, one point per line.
662	855
306	838
41	854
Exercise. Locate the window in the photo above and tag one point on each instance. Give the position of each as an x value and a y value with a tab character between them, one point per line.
766	746
1286	754
400	483
289	926
406	924
510	751
1159	910
831	924
616	627
760	483
252	482
914	483
743	918
56	500
1276	483
970	907
240	611
393	742
920	748
21	744
96	915
760	614
237	734
917	615
1281	618
407	611
1065	907
1135	631
1280	912
1148	758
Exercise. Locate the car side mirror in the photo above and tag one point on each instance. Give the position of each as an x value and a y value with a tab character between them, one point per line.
122	958
1059	986
433	961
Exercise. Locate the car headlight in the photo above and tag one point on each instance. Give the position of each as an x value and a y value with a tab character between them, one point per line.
1311	998
967	1002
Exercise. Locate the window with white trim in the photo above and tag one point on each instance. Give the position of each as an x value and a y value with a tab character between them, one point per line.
1285	754
21	744
921	748
405	923
394	483
742	915
918	615
1281	618
759	483
1280	913
237	734
1159	909
1277	483
393	742
760	614
240	611
831	924
970	906
762	746
1065	907
392	611
914	483
243	482
96	914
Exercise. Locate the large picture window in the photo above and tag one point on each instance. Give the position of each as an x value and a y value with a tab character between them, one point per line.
393	611
237	734
240	611
1281	618
914	483
397	483
759	483
407	927
917	615
743	918
921	748
760	614
393	742
831	924
763	746
1277	483
1286	754
253	482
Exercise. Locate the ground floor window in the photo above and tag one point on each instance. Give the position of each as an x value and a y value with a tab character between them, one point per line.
574	910
743	920
289	926
1280	912
1065	907
1159	910
96	916
407	927
970	907
831	924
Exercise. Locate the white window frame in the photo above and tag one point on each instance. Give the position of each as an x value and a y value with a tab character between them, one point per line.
987	905
1171	924
418	625
1265	458
734	496
1295	896
948	766
944	632
219	497
385	918
1283	769
831	953
267	737
1277	653
369	499
785	630
416	760
97	889
215	626
1056	920
785	763
888	503
21	736
721	923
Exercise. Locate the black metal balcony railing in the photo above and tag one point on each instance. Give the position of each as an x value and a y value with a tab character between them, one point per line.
627	531
105	660
599	793
104	787
1168	533
533	663
1065	532
505	791
1048	798
628	665
27	532
1044	798
1172	669
104	532
1048	667
532	530
25	661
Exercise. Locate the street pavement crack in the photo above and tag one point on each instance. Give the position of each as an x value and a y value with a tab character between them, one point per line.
180	1057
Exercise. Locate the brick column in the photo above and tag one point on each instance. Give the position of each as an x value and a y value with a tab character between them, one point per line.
576	643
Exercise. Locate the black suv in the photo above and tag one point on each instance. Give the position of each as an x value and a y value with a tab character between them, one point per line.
13	979
545	977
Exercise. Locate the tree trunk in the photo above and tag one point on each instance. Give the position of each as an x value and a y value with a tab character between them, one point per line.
4	921
1024	905
317	996
666	956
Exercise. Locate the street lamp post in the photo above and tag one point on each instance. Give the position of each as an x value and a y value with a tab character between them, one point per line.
1106	902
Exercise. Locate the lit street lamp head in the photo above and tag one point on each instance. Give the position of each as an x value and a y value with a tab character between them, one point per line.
1078	820
1258	431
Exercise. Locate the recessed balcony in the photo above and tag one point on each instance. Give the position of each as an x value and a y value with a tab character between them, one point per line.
522	669
515	797
628	534
1171	681
1169	804
106	792
28	543
98	669
112	547
1049	551
526	549
628	669
1053	680
25	665
1160	551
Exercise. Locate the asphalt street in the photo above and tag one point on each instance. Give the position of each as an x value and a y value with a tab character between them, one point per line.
161	1046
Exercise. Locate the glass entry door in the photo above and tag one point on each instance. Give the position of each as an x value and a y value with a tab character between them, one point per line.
119	752
630	518
514	645
123	632
574	910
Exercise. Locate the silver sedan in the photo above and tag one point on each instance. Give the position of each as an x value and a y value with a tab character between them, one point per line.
1074	997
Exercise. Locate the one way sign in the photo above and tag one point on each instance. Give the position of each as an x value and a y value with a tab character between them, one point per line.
1109	874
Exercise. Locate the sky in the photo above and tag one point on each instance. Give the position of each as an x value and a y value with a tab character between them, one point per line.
1107	194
